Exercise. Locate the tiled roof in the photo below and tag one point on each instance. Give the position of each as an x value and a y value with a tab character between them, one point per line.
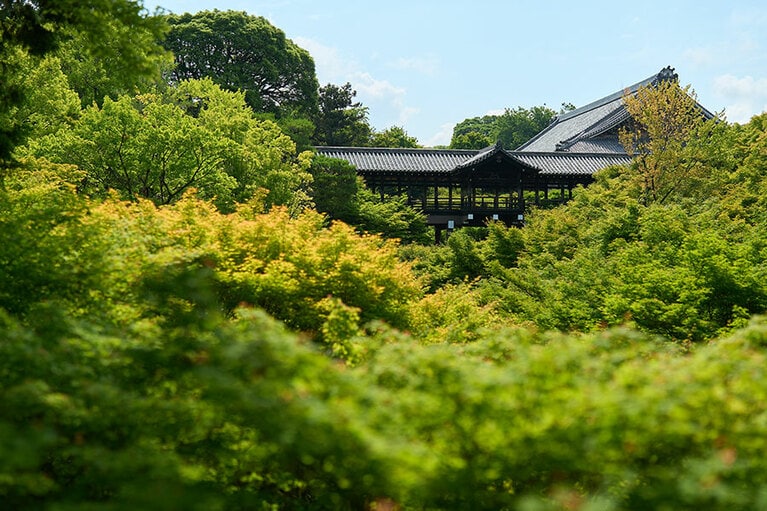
484	154
572	124
590	120
567	163
377	159
372	160
575	131
612	120
597	145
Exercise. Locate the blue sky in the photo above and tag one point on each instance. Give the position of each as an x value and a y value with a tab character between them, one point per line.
427	65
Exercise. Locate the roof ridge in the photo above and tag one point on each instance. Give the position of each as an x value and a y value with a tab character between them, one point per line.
396	149
567	154
664	74
609	98
611	120
667	73
484	154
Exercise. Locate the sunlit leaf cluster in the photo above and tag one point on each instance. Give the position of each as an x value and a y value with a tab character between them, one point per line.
194	314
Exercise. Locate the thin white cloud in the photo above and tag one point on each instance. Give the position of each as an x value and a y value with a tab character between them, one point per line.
366	84
405	113
385	99
330	65
442	137
699	56
749	17
745	96
423	65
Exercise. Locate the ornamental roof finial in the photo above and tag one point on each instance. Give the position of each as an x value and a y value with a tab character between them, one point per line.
668	73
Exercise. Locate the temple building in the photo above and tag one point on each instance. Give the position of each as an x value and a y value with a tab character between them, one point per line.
457	187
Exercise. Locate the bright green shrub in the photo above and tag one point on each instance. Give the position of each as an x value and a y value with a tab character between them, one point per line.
612	421
151	381
452	314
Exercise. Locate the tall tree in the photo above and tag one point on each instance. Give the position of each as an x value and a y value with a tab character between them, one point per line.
96	75
341	121
669	139
471	140
157	146
108	29
517	126
243	52
512	128
335	188
474	133
396	136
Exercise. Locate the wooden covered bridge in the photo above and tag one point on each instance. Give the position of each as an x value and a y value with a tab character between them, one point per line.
469	187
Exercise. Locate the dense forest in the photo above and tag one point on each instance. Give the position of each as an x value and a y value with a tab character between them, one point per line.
198	313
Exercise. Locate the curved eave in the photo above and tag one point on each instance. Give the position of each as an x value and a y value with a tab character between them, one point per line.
373	160
571	164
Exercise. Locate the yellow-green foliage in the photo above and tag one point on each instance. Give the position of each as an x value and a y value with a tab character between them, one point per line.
194	135
453	313
100	254
163	357
204	412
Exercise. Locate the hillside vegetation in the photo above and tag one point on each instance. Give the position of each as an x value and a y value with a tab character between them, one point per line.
181	328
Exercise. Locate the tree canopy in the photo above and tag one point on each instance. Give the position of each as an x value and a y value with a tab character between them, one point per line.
340	121
246	53
196	315
395	136
119	33
512	128
153	372
158	146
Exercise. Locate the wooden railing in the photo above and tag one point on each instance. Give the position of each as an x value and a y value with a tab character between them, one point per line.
466	204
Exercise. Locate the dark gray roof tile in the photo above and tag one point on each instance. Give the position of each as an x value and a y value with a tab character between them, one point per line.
377	159
590	120
576	164
373	160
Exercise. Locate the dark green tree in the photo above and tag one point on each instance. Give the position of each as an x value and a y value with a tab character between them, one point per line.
471	140
474	133
334	188
395	136
107	29
98	75
512	128
517	126
243	52
341	121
